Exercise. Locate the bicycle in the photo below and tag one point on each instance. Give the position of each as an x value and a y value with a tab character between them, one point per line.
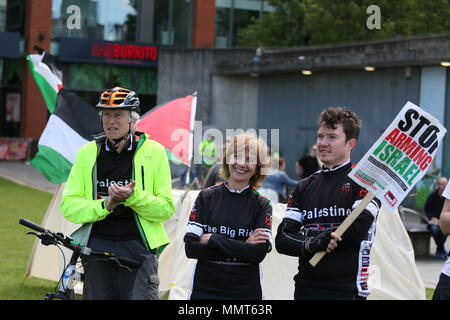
70	274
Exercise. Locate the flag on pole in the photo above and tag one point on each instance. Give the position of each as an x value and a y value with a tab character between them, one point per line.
74	122
72	125
47	77
172	125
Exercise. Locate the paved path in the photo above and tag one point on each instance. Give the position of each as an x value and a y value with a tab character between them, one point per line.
25	174
430	267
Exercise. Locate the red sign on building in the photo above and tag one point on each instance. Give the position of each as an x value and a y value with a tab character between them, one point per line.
108	52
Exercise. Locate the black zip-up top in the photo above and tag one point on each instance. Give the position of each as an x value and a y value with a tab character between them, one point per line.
227	267
319	203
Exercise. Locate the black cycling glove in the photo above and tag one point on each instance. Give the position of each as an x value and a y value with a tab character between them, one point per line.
319	243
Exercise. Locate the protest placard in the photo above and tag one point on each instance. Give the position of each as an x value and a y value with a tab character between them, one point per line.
396	162
400	157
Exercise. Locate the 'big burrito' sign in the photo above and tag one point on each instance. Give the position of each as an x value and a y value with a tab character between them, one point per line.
401	156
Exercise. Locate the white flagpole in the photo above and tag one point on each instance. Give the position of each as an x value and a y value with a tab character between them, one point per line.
191	138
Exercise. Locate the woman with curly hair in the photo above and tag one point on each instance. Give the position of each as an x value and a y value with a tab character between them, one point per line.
229	228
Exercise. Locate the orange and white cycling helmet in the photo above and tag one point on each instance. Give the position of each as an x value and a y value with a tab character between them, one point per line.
119	98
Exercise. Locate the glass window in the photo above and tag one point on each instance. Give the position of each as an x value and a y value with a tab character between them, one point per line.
2	15
11	79
12	72
15	16
173	22
232	15
242	18
161	22
222	27
113	20
252	5
97	77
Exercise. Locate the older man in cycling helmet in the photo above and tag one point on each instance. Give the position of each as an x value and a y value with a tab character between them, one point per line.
119	189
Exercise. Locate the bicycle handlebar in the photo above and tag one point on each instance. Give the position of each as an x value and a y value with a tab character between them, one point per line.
32	225
67	242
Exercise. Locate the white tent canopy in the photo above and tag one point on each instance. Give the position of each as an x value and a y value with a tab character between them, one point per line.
393	273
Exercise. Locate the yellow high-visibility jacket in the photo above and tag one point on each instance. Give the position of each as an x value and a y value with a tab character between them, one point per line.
151	200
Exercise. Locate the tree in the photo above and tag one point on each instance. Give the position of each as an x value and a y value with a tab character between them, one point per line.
283	27
313	22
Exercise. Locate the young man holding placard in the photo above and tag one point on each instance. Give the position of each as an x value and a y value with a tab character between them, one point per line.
318	205
442	291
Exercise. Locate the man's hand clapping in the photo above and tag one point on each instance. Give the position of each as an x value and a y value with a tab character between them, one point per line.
118	194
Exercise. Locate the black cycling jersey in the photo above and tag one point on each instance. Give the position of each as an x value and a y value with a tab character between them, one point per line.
227	267
320	203
115	168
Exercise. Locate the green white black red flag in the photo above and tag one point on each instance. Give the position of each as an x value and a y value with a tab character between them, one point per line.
73	124
47	77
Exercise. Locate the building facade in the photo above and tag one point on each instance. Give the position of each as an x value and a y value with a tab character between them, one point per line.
164	49
286	89
84	36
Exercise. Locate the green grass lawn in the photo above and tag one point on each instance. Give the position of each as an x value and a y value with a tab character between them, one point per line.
15	245
429	292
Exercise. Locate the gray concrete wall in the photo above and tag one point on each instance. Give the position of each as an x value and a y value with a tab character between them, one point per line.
281	98
417	51
223	101
234	102
292	103
182	72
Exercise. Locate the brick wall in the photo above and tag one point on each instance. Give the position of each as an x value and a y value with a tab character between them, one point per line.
204	22
38	27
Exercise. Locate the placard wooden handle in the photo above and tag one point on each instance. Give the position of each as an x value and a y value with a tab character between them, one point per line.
344	225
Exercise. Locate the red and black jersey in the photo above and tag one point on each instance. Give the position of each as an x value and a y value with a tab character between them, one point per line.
227	267
319	203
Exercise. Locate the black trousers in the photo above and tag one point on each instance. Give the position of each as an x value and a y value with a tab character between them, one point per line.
106	281
438	237
307	293
442	291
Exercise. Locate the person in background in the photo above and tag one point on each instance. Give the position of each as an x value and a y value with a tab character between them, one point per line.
229	228
274	186
194	181
213	177
207	150
433	208
442	291
309	164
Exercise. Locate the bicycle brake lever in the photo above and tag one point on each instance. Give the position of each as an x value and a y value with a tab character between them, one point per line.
33	233
45	238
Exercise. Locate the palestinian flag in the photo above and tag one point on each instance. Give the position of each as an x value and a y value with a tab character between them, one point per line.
47	77
172	125
72	125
